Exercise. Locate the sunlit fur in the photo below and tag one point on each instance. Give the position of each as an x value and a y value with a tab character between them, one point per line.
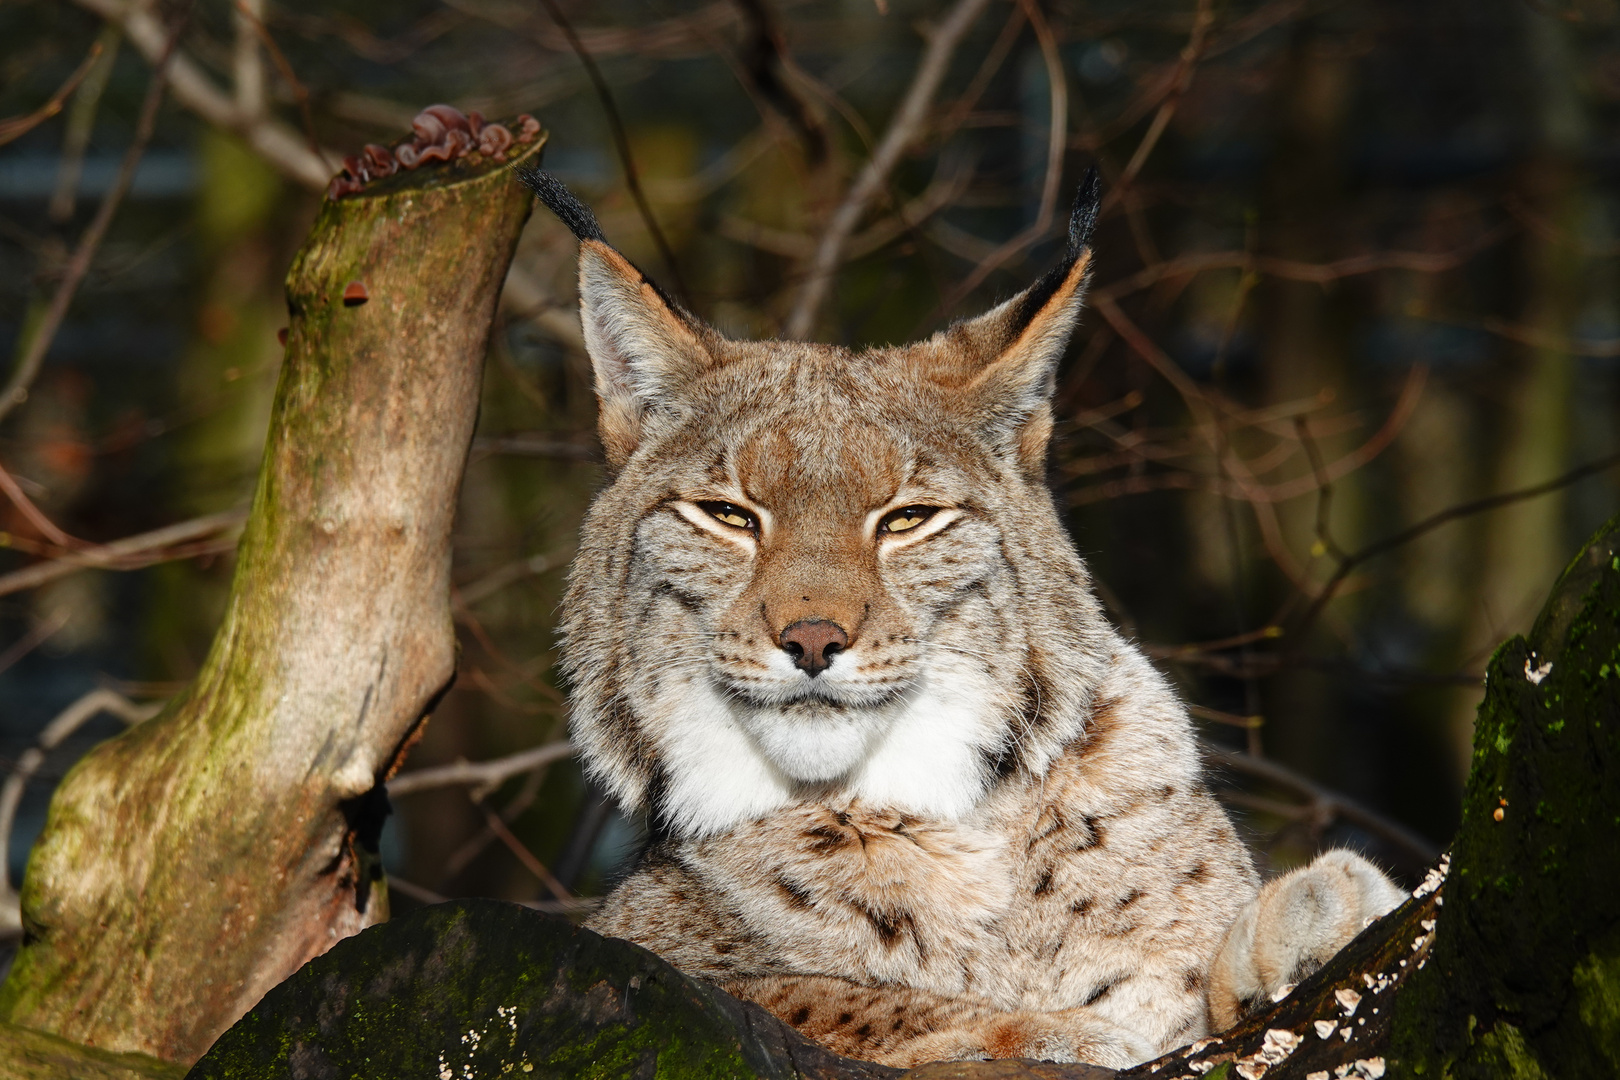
982	830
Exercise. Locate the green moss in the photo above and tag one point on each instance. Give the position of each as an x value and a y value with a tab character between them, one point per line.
1531	894
1597	996
483	988
1503	1050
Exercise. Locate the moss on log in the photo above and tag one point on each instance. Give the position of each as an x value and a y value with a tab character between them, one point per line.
1524	979
483	989
199	859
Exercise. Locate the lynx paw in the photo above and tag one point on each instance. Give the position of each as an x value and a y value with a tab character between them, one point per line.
1288	931
1066	1036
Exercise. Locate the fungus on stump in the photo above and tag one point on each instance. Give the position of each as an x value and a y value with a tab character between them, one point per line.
202	857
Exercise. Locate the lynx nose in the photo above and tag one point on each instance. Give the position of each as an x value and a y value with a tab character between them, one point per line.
812	643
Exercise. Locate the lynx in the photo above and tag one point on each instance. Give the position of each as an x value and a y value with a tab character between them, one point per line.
908	789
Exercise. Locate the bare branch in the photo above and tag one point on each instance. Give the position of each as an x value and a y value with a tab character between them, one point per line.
1434	521
80	124
33	350
498	579
481	776
25	506
130	553
908	125
247	65
17	126
1057	140
277	143
1330	803
621	142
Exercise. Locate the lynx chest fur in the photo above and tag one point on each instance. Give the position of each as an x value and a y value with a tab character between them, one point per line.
909	790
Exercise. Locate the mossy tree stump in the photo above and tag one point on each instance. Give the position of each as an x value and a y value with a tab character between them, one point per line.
196	861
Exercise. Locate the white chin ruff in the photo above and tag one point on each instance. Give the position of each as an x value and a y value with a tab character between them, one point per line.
729	762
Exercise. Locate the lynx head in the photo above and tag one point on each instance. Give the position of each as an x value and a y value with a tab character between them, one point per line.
823	573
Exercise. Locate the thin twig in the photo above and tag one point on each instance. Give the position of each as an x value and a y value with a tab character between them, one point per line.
38	343
81	123
621	142
1434	521
1330	802
299	92
37	635
1057	141
14	127
47	528
130	553
482	776
909	122
275	142
1186	67
524	855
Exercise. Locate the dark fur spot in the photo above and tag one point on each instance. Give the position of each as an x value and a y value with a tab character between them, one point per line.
796	895
888	926
826	838
1092	836
864	1030
897	1025
724	947
1044	885
1130	898
800	1015
1101	992
1081	907
1193	981
1000	761
1197	873
1167	791
844	1018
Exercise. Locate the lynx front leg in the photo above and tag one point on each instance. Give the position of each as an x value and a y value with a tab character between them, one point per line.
905	1027
1292	927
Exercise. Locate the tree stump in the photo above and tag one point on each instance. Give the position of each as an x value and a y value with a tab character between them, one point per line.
196	861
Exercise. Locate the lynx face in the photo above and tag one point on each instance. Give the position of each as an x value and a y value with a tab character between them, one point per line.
820	572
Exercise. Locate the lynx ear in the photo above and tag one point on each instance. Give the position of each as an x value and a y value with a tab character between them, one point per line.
1017	345
643	347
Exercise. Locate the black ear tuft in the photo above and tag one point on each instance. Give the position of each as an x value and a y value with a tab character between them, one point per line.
569	210
1083	218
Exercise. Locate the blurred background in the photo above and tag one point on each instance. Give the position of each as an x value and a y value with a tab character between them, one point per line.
1344	402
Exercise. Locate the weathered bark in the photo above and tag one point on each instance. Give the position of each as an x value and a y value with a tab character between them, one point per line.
26	1054
1508	968
198	860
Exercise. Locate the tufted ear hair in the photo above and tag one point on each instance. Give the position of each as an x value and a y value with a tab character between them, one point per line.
1006	359
643	346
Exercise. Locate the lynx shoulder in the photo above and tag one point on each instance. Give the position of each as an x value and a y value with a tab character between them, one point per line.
910	790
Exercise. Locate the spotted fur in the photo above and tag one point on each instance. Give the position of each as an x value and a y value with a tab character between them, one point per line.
981	830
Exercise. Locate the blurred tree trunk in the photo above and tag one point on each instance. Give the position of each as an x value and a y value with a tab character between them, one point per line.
198	860
1525	543
1303	347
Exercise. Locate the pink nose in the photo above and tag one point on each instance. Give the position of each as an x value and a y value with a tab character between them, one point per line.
812	643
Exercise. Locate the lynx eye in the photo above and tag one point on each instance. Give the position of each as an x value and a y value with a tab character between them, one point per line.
727	514
906	518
